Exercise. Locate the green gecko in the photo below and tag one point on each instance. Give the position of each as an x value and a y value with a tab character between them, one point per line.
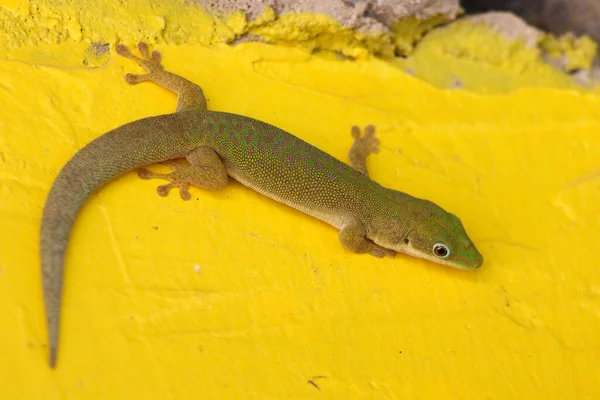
371	218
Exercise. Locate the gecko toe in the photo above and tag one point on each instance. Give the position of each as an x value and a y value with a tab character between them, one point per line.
144	49
122	50
163	190
373	146
390	253
381	252
156	57
133	79
184	192
144	173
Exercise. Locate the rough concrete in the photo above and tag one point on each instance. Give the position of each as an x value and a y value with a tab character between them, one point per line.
509	26
364	15
574	58
387	17
556	16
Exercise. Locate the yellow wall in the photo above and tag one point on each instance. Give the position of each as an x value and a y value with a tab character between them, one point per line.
233	296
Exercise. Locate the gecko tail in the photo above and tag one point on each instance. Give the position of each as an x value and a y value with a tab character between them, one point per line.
123	149
53	356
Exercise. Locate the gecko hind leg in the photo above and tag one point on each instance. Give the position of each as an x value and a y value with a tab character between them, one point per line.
205	170
362	147
190	95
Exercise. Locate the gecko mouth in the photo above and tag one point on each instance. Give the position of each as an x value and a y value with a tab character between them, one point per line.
458	262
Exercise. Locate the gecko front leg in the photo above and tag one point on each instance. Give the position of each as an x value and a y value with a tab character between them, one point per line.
353	237
362	147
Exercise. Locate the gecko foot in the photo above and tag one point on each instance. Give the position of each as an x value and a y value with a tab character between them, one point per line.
179	179
380	252
362	147
150	62
366	144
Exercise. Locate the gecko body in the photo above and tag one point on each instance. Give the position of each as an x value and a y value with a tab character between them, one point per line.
371	218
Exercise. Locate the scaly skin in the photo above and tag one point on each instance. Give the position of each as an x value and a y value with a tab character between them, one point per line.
371	219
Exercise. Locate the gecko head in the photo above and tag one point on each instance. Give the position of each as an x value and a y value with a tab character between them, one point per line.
441	237
435	235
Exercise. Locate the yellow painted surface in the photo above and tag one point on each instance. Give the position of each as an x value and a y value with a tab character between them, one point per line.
473	56
580	51
233	296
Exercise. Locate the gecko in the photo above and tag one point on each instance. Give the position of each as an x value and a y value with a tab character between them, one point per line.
215	146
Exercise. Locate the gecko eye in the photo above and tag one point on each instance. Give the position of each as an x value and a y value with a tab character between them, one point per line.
441	250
